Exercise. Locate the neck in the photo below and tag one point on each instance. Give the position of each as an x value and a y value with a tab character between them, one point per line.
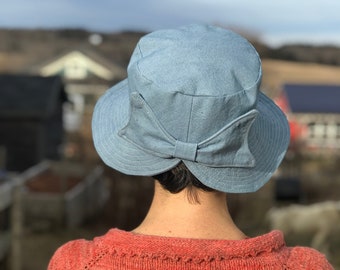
173	215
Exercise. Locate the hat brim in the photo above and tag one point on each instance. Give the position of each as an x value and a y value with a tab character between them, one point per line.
268	141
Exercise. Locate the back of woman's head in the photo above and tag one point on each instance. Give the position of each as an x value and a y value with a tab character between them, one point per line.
180	178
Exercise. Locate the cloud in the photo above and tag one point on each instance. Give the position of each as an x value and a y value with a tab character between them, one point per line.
272	19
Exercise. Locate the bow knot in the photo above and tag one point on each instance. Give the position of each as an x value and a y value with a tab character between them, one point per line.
186	151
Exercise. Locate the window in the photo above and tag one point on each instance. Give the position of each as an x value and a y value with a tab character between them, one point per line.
320	130
331	131
311	130
75	69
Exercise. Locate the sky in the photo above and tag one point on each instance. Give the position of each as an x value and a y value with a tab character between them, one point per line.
273	22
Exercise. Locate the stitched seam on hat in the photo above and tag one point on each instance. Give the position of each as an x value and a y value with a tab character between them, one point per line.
137	65
258	77
140	50
260	66
189	124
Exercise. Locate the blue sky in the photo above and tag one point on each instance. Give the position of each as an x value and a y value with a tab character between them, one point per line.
274	22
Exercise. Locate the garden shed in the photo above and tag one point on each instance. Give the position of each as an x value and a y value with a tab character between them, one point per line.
31	119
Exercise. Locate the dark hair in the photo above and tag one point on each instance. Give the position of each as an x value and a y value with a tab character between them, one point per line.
179	178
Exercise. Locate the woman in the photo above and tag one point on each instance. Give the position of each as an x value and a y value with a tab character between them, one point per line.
191	115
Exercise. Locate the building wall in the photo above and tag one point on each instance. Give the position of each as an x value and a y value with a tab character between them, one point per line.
322	130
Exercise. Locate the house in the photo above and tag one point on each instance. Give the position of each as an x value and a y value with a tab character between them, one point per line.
31	119
315	109
86	73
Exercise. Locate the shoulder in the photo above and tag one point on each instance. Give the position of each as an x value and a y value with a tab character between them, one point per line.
72	255
82	254
307	258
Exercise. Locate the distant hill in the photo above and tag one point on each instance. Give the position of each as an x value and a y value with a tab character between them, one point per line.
21	48
327	55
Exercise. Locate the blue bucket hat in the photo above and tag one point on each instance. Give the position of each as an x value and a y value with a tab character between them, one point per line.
192	95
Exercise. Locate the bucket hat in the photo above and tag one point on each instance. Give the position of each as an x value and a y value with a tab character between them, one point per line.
192	95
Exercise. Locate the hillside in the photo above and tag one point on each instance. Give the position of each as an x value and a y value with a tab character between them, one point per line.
278	72
19	49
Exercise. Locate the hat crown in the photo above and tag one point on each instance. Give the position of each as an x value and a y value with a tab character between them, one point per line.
192	95
195	78
197	60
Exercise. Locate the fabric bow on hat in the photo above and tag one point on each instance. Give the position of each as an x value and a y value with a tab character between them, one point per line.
228	147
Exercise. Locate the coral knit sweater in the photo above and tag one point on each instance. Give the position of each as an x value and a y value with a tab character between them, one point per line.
119	249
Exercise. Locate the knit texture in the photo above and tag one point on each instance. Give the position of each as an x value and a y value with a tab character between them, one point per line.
119	249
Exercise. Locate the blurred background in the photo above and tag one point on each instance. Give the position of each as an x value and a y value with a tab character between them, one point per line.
58	57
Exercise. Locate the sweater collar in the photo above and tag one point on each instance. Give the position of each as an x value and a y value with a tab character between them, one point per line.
133	244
